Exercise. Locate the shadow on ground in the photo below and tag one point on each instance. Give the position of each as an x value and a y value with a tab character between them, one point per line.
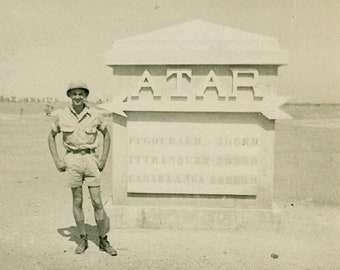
73	235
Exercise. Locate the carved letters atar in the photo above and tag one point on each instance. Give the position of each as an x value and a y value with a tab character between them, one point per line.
146	82
211	82
245	78
241	79
179	75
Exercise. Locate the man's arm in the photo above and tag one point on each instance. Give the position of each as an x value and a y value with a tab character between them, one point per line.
53	150
106	148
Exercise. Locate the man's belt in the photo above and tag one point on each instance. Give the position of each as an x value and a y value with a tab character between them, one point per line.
81	151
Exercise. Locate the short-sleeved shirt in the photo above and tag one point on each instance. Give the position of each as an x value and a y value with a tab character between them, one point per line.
79	130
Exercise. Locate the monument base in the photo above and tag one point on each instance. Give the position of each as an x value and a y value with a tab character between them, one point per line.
127	216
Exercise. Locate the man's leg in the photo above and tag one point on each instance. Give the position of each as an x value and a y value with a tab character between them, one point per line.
99	215
97	202
78	213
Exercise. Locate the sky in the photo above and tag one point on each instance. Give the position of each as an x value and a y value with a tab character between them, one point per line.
47	43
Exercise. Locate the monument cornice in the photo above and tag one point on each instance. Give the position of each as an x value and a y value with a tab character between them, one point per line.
196	43
195	57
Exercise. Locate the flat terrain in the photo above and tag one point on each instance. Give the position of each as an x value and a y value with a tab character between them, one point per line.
37	228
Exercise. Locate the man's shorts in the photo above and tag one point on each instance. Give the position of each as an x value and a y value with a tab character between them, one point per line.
82	169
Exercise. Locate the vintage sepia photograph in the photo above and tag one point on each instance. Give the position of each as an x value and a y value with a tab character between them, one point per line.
158	134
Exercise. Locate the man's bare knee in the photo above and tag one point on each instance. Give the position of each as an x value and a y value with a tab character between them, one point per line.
97	204
78	202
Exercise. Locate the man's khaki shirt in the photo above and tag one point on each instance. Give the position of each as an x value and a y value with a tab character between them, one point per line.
79	131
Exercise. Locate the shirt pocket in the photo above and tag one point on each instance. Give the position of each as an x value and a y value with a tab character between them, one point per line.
67	132
67	128
91	130
91	134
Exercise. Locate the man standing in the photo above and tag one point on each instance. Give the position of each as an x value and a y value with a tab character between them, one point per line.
79	125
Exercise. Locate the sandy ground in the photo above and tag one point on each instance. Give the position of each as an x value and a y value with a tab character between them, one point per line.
37	228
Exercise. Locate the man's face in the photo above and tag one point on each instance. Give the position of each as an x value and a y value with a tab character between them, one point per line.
78	96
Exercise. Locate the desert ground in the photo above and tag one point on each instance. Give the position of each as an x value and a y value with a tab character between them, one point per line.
37	228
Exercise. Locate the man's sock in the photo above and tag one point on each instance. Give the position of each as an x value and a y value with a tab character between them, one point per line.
101	227
81	227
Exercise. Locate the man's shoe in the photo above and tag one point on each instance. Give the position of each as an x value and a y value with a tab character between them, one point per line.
82	246
104	245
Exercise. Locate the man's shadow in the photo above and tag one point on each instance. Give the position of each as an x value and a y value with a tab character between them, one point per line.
73	234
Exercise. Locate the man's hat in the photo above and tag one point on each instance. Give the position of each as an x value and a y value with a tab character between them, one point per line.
77	85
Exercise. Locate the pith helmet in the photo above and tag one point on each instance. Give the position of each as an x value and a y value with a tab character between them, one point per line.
77	85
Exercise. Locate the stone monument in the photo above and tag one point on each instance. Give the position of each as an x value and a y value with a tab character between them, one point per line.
193	140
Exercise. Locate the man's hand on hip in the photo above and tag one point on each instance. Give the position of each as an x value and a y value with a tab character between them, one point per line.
101	165
61	166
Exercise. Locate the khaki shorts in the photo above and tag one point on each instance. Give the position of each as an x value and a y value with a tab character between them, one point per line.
82	169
